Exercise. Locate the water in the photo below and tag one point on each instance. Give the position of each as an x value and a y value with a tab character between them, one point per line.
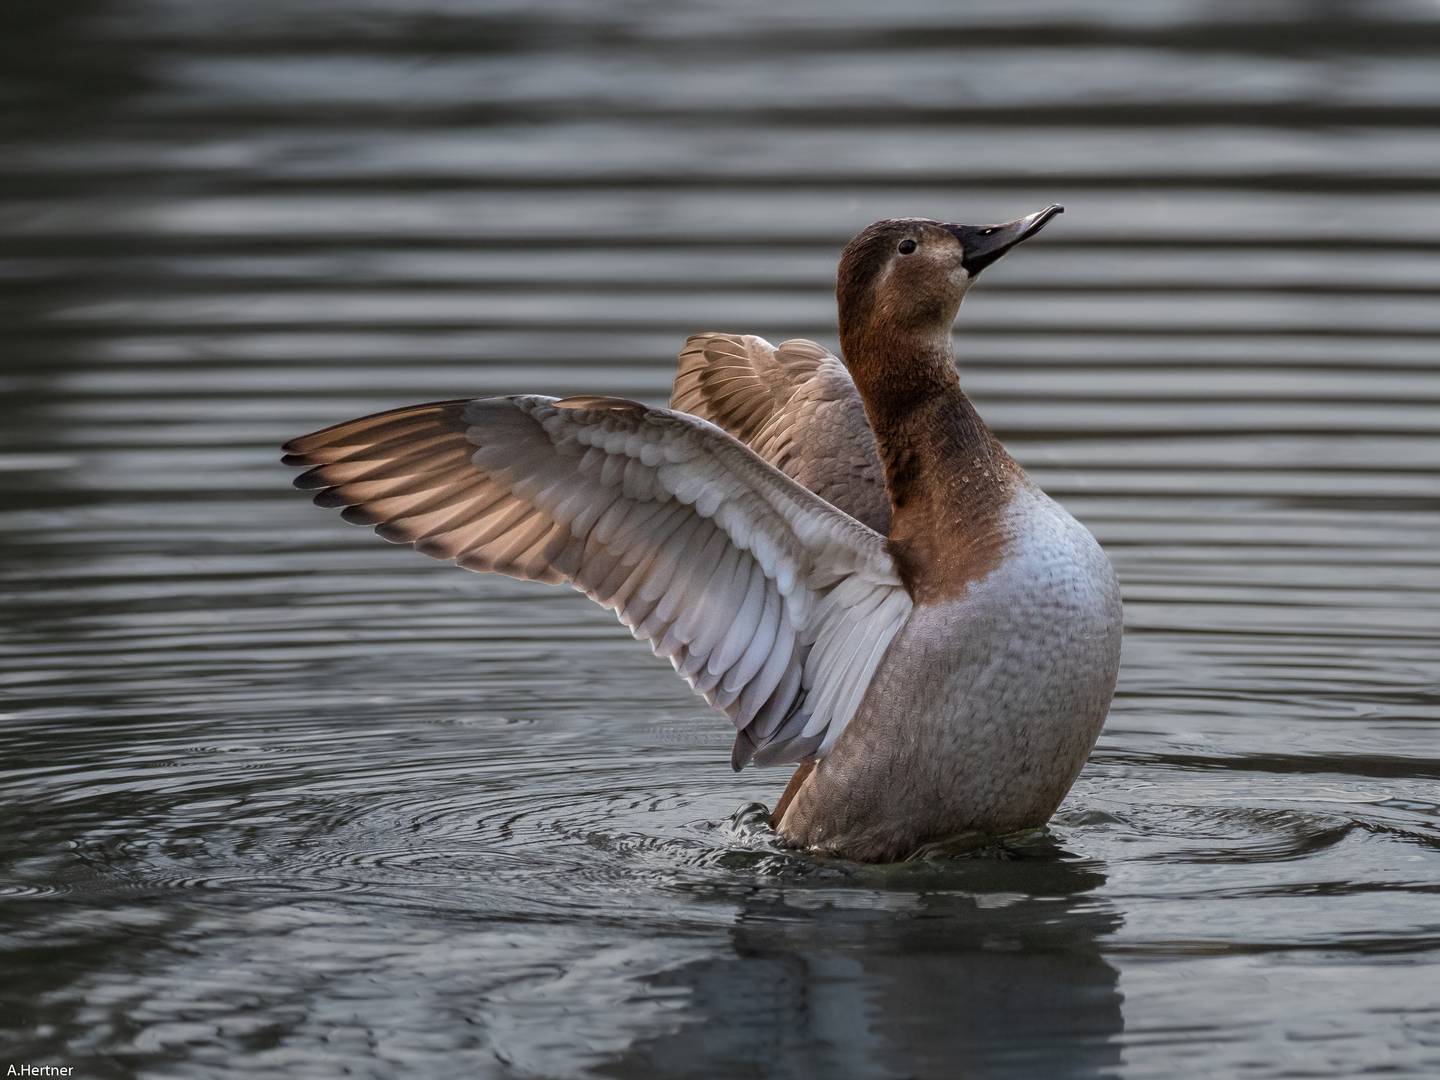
280	799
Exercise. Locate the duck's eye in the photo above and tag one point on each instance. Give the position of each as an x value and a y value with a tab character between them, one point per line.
906	247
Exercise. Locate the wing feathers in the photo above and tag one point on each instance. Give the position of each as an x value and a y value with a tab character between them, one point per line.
796	406
771	603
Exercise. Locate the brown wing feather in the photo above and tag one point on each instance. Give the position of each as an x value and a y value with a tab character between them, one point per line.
409	473
796	406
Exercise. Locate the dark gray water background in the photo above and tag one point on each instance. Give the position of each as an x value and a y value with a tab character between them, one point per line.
279	799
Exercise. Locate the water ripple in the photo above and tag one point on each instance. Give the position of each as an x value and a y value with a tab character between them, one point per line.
282	798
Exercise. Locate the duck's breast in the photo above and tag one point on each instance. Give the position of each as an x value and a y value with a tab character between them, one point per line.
986	705
1035	648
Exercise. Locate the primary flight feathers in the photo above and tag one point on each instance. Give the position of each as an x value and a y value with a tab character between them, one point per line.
772	603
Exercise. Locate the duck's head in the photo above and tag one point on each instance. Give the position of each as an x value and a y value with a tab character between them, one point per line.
908	275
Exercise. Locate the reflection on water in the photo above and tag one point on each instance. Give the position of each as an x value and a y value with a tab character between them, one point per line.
279	797
985	965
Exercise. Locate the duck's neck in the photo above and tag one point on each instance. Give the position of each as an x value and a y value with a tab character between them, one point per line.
948	478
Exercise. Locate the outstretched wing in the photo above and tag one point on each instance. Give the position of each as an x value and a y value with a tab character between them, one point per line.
797	407
772	604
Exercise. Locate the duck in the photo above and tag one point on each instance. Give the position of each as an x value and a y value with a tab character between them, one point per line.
834	551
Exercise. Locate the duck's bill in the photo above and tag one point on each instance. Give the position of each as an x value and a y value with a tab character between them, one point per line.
983	244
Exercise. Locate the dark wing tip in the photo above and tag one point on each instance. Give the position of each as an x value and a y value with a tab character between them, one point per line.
331	499
742	750
360	515
311	479
302	448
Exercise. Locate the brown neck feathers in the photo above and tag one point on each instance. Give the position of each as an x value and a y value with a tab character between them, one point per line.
948	478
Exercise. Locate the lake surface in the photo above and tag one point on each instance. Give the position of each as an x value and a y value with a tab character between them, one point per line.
280	799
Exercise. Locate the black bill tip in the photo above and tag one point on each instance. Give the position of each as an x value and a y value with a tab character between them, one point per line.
981	245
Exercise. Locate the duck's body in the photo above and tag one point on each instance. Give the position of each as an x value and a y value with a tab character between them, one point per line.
857	574
986	705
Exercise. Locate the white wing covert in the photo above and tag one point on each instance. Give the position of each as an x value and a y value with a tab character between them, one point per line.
772	604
